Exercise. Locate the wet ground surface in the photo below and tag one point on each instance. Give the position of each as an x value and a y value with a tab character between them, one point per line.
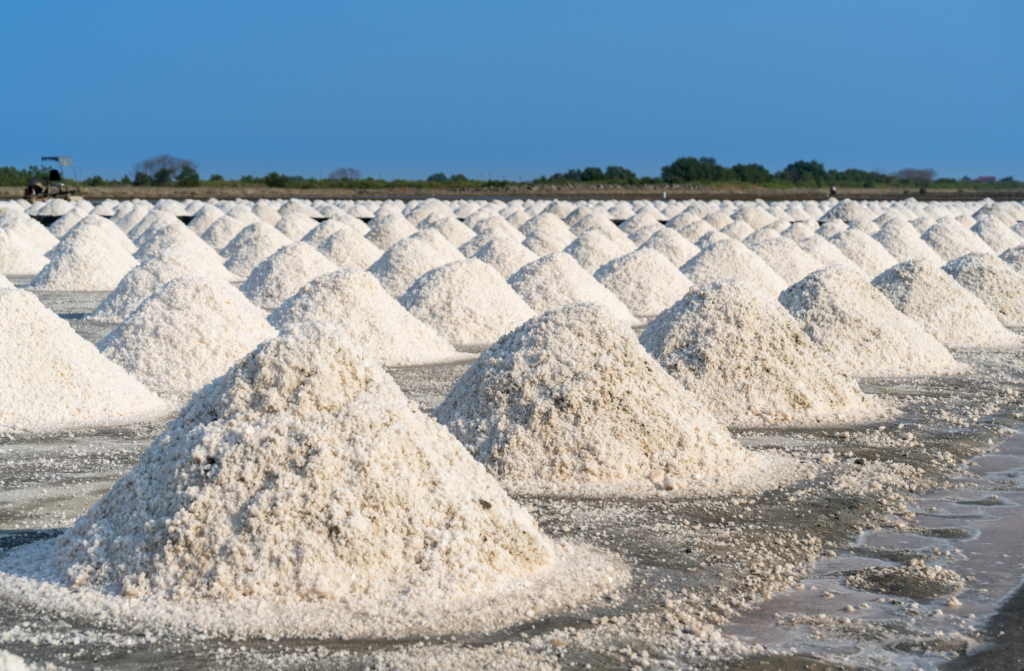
757	580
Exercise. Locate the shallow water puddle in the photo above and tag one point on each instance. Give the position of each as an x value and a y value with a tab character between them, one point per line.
974	530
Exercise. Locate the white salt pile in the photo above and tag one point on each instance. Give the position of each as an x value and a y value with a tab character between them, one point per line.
154	220
592	249
138	285
5	283
222	232
18	256
859	330
799	230
644	280
672	245
737	230
638	222
951	313
495	224
604	225
556	280
644	234
847	210
695	230
254	244
348	249
65	223
88	261
544	241
188	251
11	662
746	359
406	261
284	273
326	229
863	250
827	253
997	235
451	228
478	242
904	243
468	302
1014	258
387	229
506	255
731	260
570	397
50	376
951	241
113	232
382	328
994	282
545	222
711	238
296	226
786	258
205	217
188	332
301	496
296	206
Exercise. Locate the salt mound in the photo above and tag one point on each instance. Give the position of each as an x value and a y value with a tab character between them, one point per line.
827	253
284	273
545	221
214	529
65	223
556	280
997	235
904	243
29	230
296	206
205	217
154	220
559	208
57	207
644	280
786	258
115	234
737	230
326	229
222	232
863	250
88	261
138	285
644	234
597	222
571	397
387	229
799	230
951	241
672	245
846	211
506	255
746	359
951	313
188	250
831	228
348	249
865	226
994	282
405	261
5	283
1014	258
593	249
252	246
19	256
695	230
731	260
544	241
50	376
451	228
637	222
496	224
296	226
859	330
188	332
711	238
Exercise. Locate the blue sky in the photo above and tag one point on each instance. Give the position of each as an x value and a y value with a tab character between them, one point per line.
516	90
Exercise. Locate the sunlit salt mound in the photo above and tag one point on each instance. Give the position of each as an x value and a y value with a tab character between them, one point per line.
951	241
30	230
296	226
349	249
904	243
387	229
730	260
994	282
407	260
223	231
139	284
468	302
997	235
326	229
187	250
108	227
496	224
672	245
89	261
188	332
956	317
571	397
283	273
1015	258
644	280
746	359
50	376
18	256
253	245
205	217
786	258
506	255
859	330
863	250
300	495
5	283
548	240
451	228
556	280
846	211
382	328
545	222
597	222
593	249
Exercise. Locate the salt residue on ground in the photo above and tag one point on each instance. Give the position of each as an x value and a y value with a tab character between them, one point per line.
383	329
284	273
746	359
860	331
301	495
994	282
50	376
556	280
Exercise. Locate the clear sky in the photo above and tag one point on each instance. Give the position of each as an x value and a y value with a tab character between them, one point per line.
516	90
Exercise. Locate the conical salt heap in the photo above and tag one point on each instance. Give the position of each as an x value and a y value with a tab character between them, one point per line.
505	255
956	317
138	285
301	495
408	259
994	282
91	261
997	235
19	256
349	249
859	330
283	273
644	280
49	375
253	245
786	258
468	302
556	280
379	325
904	243
731	260
593	249
191	330
571	397
672	245
863	250
951	241
746	359
548	240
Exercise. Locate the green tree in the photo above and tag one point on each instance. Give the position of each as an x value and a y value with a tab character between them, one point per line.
752	173
689	169
275	180
187	176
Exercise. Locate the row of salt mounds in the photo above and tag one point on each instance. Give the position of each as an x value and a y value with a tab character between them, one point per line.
253	245
284	273
956	317
326	229
994	282
383	329
408	259
731	260
859	330
301	495
188	332
746	359
49	375
644	280
556	280
571	398
29	230
87	259
468	302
